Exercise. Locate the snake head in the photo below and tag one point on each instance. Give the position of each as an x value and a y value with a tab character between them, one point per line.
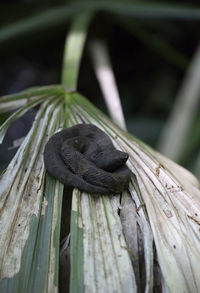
111	160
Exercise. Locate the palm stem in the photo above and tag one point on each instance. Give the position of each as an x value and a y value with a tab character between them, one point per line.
74	45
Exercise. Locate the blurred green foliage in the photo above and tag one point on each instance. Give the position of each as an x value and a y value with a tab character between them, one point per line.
150	45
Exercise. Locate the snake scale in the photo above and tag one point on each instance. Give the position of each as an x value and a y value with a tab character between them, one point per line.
83	156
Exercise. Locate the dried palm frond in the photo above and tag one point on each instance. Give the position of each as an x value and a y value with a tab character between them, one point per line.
147	238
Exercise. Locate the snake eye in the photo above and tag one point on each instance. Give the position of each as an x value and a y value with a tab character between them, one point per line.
93	157
124	157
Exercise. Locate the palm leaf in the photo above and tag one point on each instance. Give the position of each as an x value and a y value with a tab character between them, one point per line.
164	208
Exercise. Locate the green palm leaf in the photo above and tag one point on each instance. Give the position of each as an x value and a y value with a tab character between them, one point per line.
164	208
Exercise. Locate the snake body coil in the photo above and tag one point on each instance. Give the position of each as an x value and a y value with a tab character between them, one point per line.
83	156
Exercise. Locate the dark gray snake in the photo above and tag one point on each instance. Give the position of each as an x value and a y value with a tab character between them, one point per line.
83	156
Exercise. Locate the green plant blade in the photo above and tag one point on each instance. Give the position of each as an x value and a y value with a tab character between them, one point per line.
44	20
31	92
17	115
30	212
76	247
143	9
73	50
60	15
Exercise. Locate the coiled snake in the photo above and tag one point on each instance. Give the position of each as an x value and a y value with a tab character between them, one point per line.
83	156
